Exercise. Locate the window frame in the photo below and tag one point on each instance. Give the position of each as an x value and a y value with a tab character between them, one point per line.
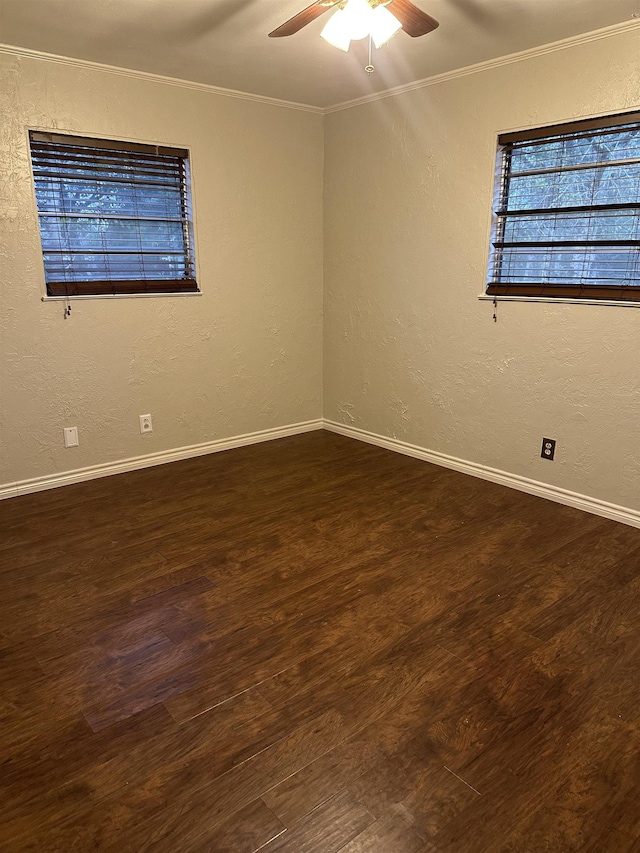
624	295
121	288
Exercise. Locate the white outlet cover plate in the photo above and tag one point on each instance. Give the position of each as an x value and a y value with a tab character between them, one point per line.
71	437
146	424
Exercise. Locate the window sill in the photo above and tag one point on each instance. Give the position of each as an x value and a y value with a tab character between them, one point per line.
80	297
563	300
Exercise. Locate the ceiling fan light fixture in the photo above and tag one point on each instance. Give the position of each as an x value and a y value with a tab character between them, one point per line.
356	20
358	16
337	31
383	25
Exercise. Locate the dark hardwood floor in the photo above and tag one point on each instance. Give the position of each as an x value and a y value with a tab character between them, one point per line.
316	646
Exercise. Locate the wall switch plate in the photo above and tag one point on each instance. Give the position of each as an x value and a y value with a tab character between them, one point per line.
71	437
548	448
146	424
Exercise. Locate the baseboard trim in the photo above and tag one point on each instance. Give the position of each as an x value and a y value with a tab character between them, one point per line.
121	466
495	475
586	503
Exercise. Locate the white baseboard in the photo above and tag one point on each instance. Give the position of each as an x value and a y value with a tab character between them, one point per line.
514	481
495	475
79	475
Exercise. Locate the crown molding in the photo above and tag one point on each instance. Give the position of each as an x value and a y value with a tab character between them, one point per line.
487	65
14	50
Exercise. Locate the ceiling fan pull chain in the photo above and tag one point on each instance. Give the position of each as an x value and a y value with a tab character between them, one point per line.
369	68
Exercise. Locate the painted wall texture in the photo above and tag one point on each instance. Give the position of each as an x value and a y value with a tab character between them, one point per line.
410	352
244	356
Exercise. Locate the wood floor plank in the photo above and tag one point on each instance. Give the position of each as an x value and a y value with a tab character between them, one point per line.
176	816
581	812
324	830
33	775
209	745
248	830
414	783
352	646
381	738
391	832
517	775
315	644
57	633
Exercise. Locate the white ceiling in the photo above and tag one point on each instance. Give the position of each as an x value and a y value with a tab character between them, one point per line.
224	42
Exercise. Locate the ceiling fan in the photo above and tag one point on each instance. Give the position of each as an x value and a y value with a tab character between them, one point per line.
356	19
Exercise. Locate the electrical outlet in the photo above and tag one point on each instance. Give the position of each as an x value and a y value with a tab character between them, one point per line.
71	437
146	424
548	448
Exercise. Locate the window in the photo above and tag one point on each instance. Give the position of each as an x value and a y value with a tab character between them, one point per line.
114	216
567	216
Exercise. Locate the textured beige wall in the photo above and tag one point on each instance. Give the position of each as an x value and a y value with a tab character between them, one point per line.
244	356
410	352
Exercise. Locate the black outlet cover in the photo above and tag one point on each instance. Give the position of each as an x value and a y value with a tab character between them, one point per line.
548	448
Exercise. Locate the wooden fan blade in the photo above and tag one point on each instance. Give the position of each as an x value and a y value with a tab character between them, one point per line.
303	18
414	21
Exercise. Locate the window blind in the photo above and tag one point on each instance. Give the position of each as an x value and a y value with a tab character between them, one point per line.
114	216
567	217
